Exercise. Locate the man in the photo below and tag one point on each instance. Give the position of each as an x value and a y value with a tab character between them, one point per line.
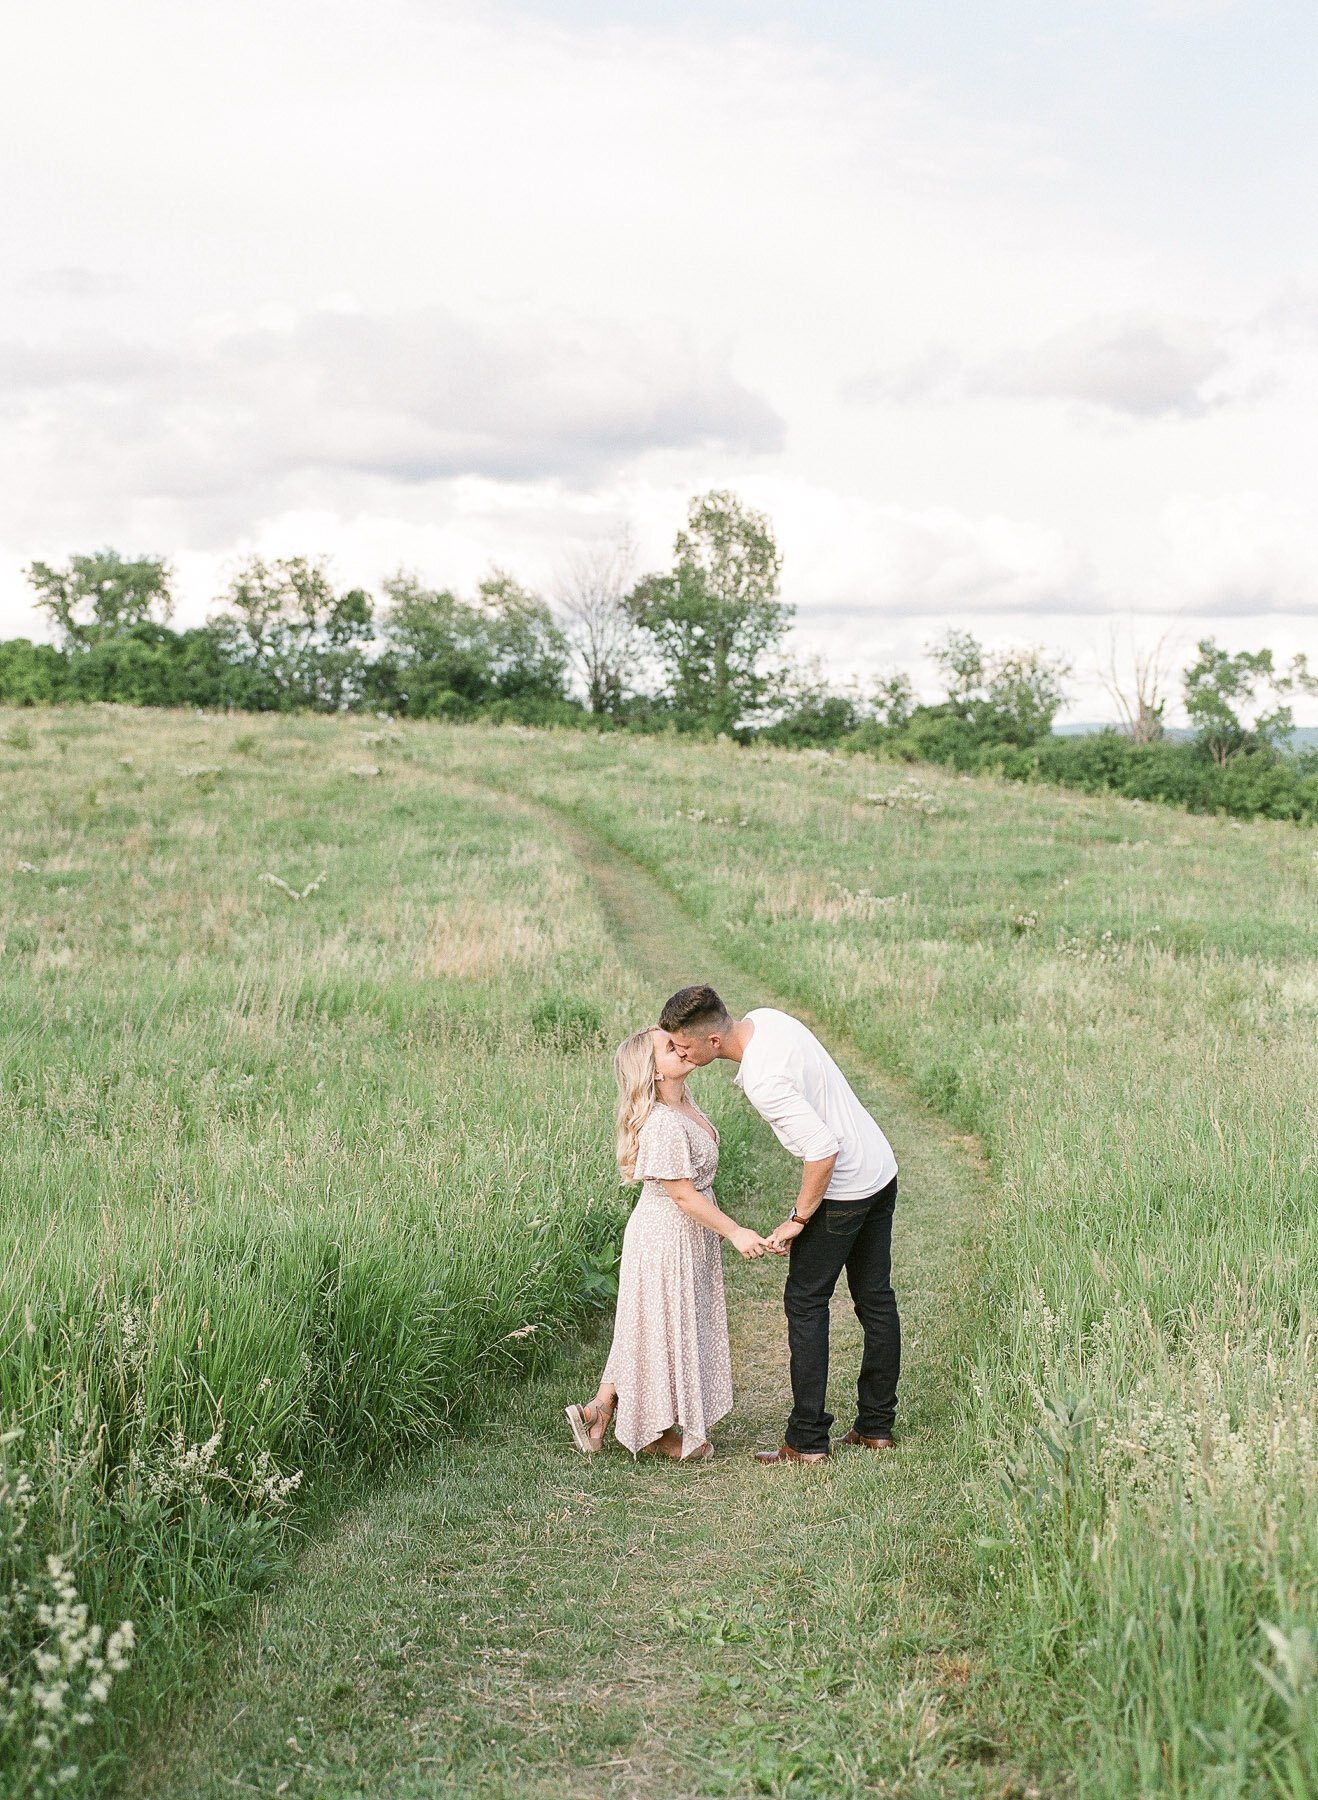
843	1213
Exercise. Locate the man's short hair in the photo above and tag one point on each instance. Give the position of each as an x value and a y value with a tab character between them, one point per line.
696	1009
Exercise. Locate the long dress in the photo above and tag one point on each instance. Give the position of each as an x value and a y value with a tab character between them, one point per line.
670	1360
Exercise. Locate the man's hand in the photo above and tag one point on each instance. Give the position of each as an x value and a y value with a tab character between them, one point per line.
781	1236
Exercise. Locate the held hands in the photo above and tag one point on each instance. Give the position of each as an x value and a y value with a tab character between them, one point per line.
781	1235
750	1243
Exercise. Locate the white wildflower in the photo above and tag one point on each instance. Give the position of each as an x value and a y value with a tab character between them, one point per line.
292	892
68	1673
908	796
266	1486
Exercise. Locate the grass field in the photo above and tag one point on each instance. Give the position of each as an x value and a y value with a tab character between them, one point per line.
282	1177
512	1622
293	1171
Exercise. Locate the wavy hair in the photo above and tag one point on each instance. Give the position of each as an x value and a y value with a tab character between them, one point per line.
634	1072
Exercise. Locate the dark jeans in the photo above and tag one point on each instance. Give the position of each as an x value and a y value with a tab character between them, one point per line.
855	1235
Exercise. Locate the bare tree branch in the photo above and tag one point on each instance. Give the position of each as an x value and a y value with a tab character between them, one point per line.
1139	695
590	592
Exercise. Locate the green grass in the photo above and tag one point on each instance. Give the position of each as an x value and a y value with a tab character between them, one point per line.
1123	1003
513	1621
281	1178
281	1158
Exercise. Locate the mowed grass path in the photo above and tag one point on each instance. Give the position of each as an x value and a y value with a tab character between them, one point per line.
515	1620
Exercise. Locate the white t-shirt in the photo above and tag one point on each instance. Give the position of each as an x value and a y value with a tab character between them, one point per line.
794	1084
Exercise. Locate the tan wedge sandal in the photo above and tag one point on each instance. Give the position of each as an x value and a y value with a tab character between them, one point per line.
587	1420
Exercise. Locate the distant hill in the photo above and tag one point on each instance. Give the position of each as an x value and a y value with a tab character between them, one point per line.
1304	737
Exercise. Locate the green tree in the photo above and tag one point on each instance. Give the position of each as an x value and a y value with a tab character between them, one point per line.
812	709
100	596
893	699
716	618
291	639
446	657
529	651
960	656
437	659
1006	696
1231	699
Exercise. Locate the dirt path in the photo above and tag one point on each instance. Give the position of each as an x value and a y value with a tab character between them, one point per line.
515	1622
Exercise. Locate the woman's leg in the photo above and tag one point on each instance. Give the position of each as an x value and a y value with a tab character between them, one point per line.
596	1413
590	1419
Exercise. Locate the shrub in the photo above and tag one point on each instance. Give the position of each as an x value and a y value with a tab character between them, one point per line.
566	1021
31	674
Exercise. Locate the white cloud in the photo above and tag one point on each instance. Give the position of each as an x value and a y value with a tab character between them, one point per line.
1138	367
1245	555
1145	368
858	563
244	424
70	282
435	283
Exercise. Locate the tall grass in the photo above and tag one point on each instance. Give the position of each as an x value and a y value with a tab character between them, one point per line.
284	1177
1123	1003
288	1168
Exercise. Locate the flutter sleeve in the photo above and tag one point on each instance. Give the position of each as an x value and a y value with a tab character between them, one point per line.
663	1149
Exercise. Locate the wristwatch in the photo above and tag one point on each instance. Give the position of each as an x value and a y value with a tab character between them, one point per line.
795	1220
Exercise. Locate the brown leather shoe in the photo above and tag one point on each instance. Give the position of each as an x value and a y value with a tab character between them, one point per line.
786	1454
881	1443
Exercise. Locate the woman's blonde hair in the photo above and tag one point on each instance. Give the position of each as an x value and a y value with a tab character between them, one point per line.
634	1072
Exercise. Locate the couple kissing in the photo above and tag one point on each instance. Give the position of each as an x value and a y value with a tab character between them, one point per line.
668	1377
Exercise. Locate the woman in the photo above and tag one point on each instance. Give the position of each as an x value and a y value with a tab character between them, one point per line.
669	1374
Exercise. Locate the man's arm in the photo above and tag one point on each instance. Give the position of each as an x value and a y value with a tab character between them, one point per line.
799	1129
815	1177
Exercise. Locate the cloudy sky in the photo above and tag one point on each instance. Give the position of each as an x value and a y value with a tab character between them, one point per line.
1007	313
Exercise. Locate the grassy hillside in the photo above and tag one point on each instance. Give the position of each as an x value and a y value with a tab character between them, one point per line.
282	1177
1123	1003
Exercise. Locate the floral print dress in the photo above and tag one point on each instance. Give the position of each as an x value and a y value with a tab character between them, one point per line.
670	1360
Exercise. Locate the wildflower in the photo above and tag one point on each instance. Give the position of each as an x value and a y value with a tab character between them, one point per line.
908	796
292	892
861	903
266	1486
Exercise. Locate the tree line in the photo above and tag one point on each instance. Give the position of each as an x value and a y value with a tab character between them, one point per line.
698	648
